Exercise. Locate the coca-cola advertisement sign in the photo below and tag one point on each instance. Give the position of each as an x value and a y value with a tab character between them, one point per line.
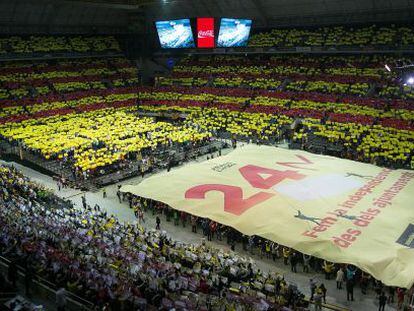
205	32
202	34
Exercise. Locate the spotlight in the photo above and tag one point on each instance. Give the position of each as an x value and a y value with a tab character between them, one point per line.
401	72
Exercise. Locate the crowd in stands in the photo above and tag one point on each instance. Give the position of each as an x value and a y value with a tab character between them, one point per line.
392	36
114	264
87	115
347	102
342	75
67	107
18	45
360	131
24	80
329	92
99	138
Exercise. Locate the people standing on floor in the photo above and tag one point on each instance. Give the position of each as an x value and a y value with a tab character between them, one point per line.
378	287
204	226
350	272
363	282
141	216
339	278
275	251
382	301
104	193
324	290
262	248
118	194
64	182
328	268
176	217
233	243
207	230
293	262
219	231
312	287
391	293
268	249
318	300
61	299
183	217
245	241
193	224
306	263
286	254
84	201
400	297
350	289
158	223
213	228
250	244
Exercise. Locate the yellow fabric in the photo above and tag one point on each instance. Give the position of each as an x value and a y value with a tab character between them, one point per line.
362	214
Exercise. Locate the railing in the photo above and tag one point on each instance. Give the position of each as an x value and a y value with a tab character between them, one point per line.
409	49
25	157
44	56
328	306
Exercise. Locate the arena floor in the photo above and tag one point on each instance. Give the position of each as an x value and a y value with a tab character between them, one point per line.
124	213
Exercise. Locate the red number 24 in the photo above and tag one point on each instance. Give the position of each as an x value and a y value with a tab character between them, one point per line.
233	196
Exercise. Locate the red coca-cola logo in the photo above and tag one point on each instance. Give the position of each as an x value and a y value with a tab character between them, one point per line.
205	34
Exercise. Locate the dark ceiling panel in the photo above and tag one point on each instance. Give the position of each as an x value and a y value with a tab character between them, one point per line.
109	14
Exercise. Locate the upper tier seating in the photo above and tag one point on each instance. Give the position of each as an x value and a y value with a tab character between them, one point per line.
21	81
48	45
391	36
350	75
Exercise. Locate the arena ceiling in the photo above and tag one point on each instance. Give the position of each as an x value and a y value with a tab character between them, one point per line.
117	16
270	13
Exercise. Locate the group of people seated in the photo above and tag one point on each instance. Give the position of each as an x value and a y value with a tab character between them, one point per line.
25	80
92	140
116	264
336	36
373	126
51	108
17	45
342	75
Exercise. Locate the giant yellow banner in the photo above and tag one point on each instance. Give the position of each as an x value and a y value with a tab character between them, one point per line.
339	210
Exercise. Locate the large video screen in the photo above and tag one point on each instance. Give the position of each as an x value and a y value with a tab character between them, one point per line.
175	34
234	32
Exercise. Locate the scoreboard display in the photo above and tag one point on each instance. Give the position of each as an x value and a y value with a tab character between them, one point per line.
179	34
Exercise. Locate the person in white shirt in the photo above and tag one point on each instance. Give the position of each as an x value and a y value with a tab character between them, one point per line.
339	278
